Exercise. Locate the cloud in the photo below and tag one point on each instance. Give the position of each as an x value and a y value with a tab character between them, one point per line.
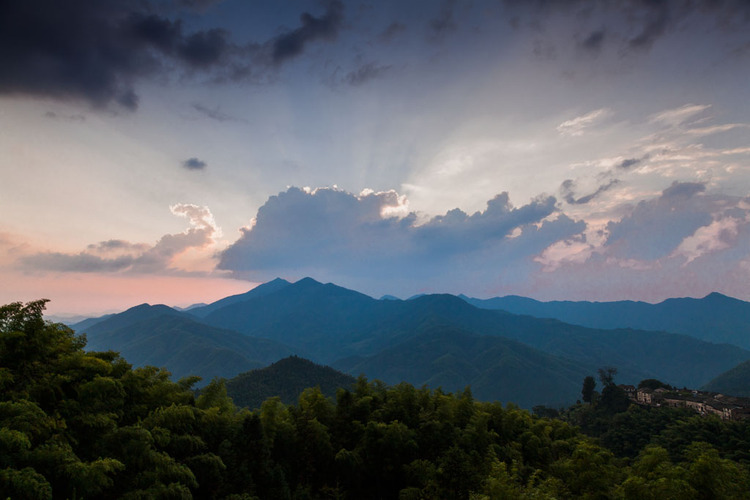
365	73
194	164
718	235
568	187
683	190
333	234
199	5
138	258
656	227
626	27
686	241
657	19
214	114
115	246
629	163
97	50
71	118
392	31
564	252
577	126
594	41
678	116
444	23
326	27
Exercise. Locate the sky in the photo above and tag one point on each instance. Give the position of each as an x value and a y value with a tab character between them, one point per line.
179	151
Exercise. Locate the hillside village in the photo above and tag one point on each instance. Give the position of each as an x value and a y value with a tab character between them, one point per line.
704	403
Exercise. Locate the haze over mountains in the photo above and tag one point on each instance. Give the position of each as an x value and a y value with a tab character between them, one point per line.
437	340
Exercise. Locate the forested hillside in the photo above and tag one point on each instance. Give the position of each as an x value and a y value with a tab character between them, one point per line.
285	379
735	381
78	424
160	336
390	340
496	368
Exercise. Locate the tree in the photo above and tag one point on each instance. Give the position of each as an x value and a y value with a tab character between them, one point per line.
653	384
607	375
587	392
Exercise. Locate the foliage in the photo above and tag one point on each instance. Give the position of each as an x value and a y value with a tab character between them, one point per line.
735	381
653	384
286	378
628	429
587	392
76	424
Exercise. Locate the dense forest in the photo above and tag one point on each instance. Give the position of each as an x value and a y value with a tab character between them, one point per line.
77	424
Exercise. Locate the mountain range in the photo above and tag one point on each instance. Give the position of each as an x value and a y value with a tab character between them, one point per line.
715	317
435	340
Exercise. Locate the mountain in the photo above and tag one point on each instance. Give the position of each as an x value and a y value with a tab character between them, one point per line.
333	325
162	337
258	291
286	378
188	308
329	323
125	319
389	297
714	318
83	325
638	354
324	321
496	368
734	382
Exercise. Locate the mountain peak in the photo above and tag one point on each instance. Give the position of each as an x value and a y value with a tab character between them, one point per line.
140	308
308	282
716	296
389	297
277	281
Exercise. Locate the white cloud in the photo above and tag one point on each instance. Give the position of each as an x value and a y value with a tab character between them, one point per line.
562	252
718	235
577	126
678	116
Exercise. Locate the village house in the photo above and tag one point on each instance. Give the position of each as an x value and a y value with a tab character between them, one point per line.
630	390
703	403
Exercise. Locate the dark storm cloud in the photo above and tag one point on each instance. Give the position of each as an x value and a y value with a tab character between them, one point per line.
313	28
66	49
365	73
97	50
194	164
568	188
94	49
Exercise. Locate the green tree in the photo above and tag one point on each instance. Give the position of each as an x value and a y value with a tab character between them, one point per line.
587	393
